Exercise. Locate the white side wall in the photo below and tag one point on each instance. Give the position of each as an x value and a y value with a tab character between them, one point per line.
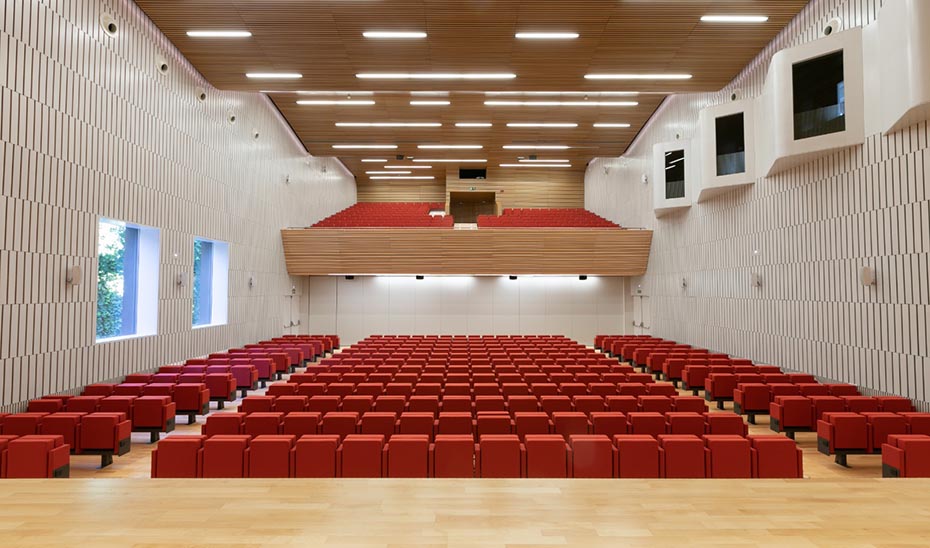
467	305
806	232
90	128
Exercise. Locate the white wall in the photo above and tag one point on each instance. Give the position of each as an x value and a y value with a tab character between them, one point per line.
806	231
467	305
90	128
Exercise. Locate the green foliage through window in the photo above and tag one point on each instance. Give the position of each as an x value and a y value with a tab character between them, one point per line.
111	248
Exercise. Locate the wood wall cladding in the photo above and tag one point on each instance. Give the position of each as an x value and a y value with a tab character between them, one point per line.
598	252
401	191
525	187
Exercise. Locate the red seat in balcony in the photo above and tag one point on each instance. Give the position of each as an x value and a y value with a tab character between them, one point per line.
681	456
500	456
316	457
532	423
323	404
906	456
153	414
416	422
178	457
341	423
390	404
375	422
637	456
45	406
83	404
843	433
223	423
257	404
685	423
751	399
263	424
520	404
407	456
776	457
226	456
301	423
623	404
22	424
608	423
592	456
791	414
728	457
455	423
895	404
568	423
222	387
652	424
882	425
452	456
546	456
493	422
360	456
105	434
726	424
271	455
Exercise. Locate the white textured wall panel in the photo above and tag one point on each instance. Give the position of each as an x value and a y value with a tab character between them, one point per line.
813	226
90	128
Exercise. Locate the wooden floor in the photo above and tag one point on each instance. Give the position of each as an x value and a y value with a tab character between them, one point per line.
121	506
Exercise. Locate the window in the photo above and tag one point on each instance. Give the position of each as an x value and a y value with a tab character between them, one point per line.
819	96
731	145
674	174
211	282
127	280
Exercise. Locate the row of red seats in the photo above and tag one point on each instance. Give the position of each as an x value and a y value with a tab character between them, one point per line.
387	215
843	433
34	456
792	414
398	403
755	399
545	218
494	456
98	433
564	423
906	456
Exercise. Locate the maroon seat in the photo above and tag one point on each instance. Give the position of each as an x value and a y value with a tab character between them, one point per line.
407	456
500	456
728	457
271	455
226	456
637	456
452	456
178	457
681	456
776	457
592	456
223	423
360	456
546	456
316	457
301	423
262	424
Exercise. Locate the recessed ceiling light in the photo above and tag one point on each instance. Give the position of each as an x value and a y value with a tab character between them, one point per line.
536	165
604	126
393	34
374	161
542	125
565	93
734	18
408	167
388	172
333	93
274	75
404	177
388	124
561	103
449	160
362	147
536	147
436	75
342	102
429	93
547	35
451	147
669	76
537	161
473	124
219	33
430	103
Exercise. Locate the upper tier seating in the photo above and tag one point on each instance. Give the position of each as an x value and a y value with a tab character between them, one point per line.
545	218
388	215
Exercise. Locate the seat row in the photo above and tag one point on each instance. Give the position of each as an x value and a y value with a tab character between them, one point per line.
408	386
906	456
34	456
545	218
97	433
494	456
792	414
388	215
565	423
850	433
753	399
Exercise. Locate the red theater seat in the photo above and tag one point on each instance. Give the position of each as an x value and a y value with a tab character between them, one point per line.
301	423
360	456
257	404
22	424
223	423
291	404
728	457
83	404
45	406
895	404
625	404
532	423
681	456
906	456
407	456
262	424
341	423
191	399
226	456
178	457
271	456
843	433
153	414
416	423
390	404
546	456
452	456
222	387
637	456
493	423
570	423
726	424
791	414
454	423
651	424
608	423
776	457
37	456
106	434
592	456
685	423
323	404
500	456
316	457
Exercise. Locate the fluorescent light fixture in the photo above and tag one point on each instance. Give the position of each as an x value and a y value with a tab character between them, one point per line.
408	167
561	103
429	93
335	93
547	35
436	75
565	93
605	126
734	18
344	102
542	125
388	172
219	33
374	161
393	34
451	147
473	124
388	124
536	165
274	75
430	103
659	76
536	147
449	161
526	161
403	178
363	147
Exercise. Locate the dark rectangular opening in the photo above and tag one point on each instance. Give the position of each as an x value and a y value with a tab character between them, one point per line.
465	173
819	96
731	144
674	174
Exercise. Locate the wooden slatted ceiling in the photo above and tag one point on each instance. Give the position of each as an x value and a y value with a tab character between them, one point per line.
323	41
